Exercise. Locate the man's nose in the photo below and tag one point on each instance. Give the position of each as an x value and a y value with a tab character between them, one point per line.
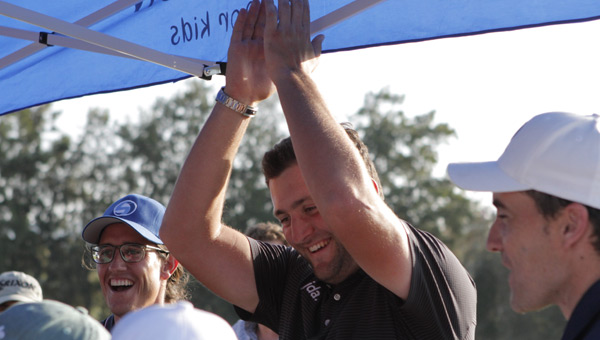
301	229
494	241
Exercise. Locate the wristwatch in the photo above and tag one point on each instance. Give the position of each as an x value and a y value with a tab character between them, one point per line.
246	110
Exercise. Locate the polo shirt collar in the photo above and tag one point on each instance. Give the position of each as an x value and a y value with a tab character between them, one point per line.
585	316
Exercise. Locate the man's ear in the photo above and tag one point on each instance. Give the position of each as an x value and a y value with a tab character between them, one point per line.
577	224
169	267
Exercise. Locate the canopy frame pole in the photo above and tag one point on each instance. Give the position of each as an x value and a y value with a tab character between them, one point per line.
341	14
89	40
86	21
102	40
68	42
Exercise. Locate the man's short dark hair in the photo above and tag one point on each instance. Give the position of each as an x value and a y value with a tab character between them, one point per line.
549	206
282	156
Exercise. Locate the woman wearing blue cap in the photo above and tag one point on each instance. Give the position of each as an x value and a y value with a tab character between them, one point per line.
134	267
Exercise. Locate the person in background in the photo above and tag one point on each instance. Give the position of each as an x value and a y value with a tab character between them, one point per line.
16	287
267	232
49	320
135	269
355	270
546	190
174	321
271	233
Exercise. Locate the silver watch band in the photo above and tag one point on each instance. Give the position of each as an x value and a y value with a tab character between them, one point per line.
246	110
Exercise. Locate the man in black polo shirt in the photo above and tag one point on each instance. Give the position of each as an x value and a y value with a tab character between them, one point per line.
355	269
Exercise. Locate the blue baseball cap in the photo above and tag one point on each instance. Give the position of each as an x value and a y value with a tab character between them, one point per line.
139	212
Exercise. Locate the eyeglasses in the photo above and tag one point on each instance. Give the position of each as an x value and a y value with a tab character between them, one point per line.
130	252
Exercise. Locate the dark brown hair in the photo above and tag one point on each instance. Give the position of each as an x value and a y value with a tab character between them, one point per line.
282	156
177	283
549	206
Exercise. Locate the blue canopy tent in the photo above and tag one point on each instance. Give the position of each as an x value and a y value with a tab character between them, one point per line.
56	50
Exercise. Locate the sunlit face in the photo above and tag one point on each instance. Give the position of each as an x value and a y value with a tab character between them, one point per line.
130	286
530	249
305	230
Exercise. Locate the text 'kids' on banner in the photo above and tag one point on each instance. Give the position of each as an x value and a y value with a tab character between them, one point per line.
52	50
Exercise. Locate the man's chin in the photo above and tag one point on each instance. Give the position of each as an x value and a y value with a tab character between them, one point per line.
330	276
519	307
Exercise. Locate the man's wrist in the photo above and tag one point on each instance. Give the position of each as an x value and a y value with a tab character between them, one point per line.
235	105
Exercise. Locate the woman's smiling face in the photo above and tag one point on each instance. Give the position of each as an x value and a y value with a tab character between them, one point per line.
130	286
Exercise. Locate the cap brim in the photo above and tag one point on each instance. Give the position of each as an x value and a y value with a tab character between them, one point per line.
483	176
91	232
16	297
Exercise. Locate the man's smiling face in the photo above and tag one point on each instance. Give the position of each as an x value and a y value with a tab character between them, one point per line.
530	246
305	229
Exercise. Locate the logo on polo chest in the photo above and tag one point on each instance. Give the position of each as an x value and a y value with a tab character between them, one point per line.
312	289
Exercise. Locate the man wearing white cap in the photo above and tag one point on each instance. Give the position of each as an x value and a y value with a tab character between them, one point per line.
174	321
134	267
546	189
18	287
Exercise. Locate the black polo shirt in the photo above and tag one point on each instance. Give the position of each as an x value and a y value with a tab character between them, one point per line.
294	303
109	322
584	323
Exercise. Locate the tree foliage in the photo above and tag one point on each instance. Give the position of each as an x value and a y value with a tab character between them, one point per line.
52	183
404	153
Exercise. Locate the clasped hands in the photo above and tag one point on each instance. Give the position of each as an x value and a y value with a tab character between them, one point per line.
270	44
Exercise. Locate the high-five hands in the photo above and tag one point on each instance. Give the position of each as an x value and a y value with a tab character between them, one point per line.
267	44
247	79
288	48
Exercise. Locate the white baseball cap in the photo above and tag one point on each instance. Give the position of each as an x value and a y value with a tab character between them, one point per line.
172	321
18	286
556	153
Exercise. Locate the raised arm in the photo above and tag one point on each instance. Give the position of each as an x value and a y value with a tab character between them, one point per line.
333	170
217	255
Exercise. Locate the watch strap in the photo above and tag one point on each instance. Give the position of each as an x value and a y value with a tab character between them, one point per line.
241	108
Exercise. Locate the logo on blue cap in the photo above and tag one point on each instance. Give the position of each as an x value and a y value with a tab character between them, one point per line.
141	213
125	208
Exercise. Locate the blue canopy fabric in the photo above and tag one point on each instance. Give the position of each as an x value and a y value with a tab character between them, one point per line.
196	33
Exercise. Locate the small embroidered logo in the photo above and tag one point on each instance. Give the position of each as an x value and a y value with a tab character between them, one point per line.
125	208
312	289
